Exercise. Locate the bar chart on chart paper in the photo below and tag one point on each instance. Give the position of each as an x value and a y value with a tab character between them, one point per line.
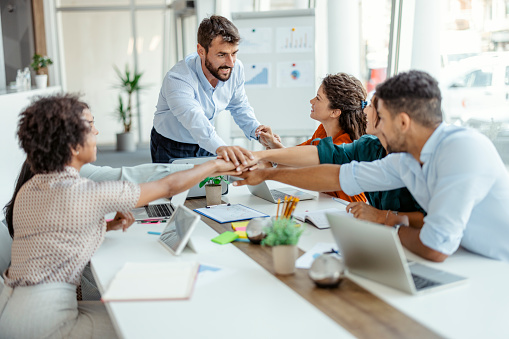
257	74
294	39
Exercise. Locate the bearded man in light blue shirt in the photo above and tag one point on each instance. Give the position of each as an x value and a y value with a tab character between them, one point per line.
454	173
195	91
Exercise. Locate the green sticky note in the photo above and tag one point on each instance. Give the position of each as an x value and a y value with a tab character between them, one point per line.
225	238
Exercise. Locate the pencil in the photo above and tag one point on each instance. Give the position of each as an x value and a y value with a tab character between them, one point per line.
277	211
284	207
293	207
289	206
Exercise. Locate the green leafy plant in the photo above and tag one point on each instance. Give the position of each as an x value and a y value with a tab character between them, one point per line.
39	63
213	181
129	84
284	231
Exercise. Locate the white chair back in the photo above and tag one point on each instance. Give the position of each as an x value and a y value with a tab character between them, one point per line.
5	247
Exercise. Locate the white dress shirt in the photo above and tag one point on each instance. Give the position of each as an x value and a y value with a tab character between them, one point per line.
463	185
188	105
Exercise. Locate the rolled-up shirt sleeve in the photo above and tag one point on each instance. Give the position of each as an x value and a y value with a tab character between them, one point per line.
379	175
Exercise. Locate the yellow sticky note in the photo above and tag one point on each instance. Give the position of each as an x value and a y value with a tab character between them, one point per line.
239	224
241	234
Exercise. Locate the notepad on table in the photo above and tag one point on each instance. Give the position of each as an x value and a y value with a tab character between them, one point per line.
230	213
153	281
318	218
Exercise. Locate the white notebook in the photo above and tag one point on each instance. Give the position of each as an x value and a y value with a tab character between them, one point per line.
153	281
318	218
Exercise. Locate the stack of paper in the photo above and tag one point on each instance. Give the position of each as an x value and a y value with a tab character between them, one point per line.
153	281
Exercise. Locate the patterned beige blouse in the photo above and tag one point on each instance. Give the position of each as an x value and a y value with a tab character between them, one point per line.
59	223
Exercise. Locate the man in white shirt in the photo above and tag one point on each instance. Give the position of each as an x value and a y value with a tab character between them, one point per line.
195	91
454	173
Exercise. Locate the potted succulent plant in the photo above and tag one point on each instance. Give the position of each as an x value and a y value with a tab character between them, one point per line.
40	65
283	237
213	189
129	83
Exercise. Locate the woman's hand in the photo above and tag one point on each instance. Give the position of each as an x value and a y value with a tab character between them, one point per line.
268	139
361	210
121	221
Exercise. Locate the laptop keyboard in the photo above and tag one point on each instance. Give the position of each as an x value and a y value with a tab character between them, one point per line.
421	282
159	210
278	194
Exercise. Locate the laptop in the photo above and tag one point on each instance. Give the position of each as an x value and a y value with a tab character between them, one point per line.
196	191
262	191
375	252
177	233
160	211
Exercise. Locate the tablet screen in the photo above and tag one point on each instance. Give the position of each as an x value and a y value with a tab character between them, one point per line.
179	228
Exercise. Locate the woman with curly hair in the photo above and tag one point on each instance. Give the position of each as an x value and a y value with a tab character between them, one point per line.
338	107
58	222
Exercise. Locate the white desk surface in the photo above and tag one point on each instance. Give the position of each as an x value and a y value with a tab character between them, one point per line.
242	300
477	309
222	303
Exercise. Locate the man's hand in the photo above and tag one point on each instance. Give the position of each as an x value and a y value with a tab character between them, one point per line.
268	139
252	177
236	154
121	221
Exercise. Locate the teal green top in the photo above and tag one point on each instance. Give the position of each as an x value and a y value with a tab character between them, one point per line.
368	148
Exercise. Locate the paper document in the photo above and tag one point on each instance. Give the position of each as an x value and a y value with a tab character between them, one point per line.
230	213
318	218
153	281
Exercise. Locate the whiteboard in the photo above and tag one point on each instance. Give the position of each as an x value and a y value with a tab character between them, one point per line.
278	50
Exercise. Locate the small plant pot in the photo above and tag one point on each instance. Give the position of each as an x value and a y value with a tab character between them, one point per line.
213	194
41	80
284	257
125	142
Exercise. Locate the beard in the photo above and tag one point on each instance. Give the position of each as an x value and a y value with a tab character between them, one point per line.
215	71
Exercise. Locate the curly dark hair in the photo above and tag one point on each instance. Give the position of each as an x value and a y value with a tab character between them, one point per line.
49	129
345	92
215	26
415	93
24	175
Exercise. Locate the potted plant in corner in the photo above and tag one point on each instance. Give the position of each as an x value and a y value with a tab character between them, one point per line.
283	237
40	66
213	189
129	84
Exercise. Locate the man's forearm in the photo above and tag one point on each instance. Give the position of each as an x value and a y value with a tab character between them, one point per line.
409	237
324	178
298	156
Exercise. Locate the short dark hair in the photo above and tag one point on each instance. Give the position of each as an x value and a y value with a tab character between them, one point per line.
215	26
49	129
345	92
415	93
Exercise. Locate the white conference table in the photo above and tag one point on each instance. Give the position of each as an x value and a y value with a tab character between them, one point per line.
242	293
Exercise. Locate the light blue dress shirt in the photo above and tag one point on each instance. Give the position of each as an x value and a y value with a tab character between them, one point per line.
463	185
188	105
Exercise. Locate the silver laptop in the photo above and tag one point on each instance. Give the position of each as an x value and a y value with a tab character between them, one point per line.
160	211
262	191
196	191
375	252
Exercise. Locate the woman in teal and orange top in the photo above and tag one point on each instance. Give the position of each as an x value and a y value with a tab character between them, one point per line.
338	107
